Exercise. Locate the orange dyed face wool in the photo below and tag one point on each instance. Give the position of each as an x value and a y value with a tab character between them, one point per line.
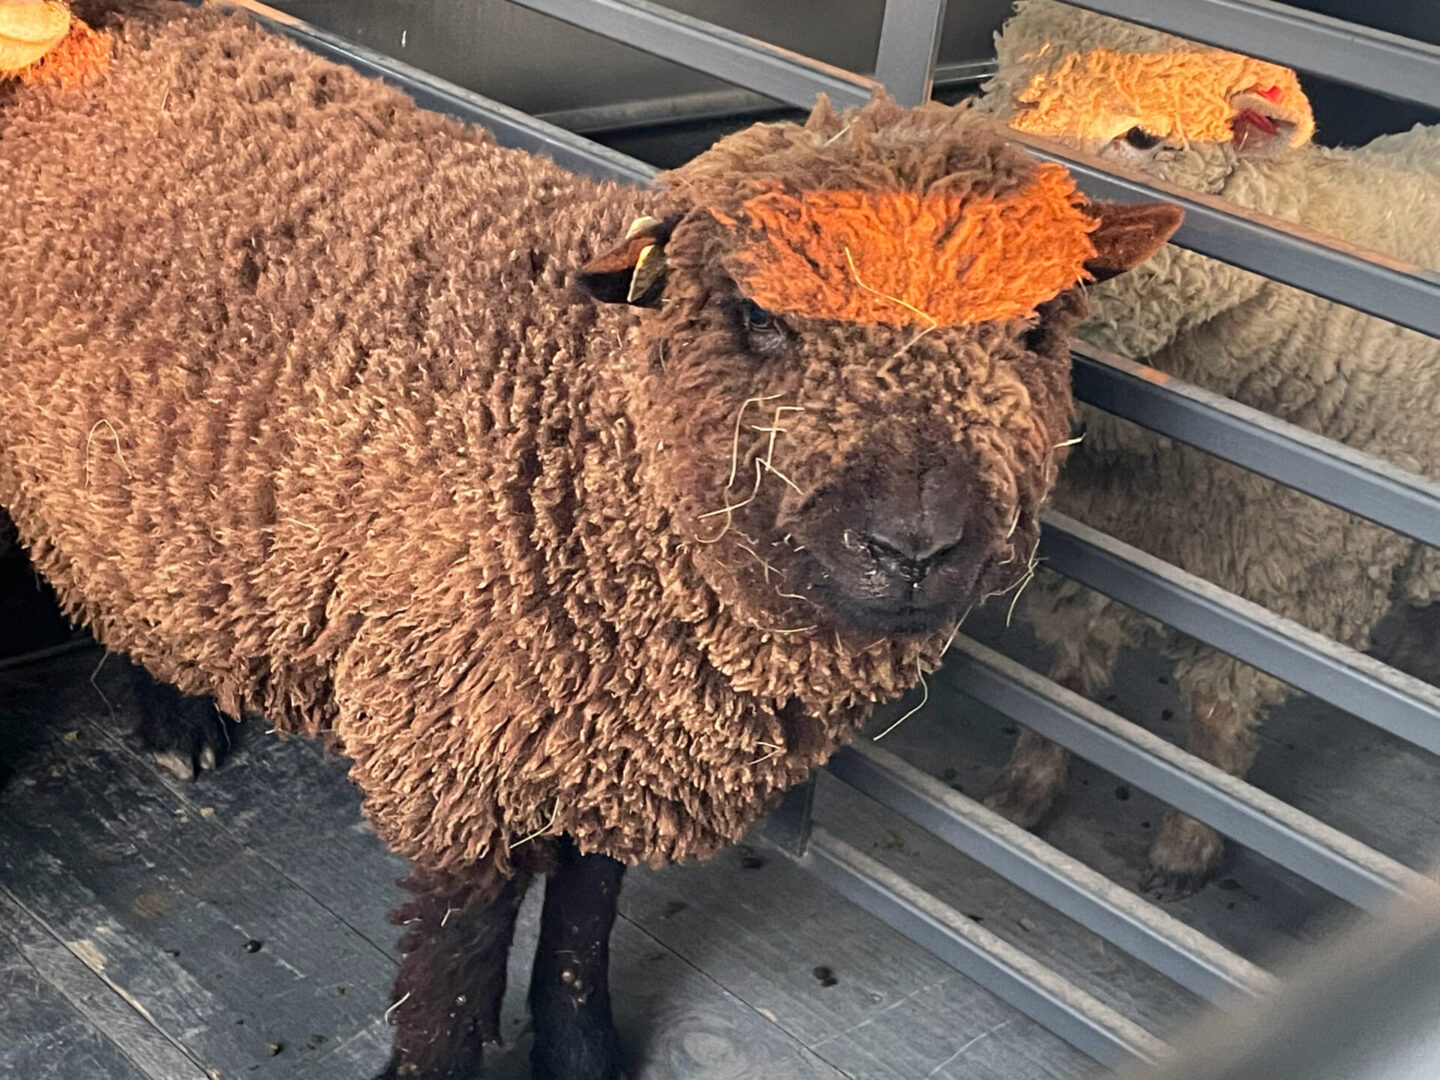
1185	96
900	259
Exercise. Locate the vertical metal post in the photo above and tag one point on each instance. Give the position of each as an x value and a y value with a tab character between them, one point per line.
909	47
789	826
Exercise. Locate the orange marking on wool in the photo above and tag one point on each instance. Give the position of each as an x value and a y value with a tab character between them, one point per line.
850	262
1100	94
897	258
81	56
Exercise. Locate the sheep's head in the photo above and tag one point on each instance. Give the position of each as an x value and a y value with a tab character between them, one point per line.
849	373
1172	107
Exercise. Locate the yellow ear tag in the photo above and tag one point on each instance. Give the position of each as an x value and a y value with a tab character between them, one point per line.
29	31
641	225
648	269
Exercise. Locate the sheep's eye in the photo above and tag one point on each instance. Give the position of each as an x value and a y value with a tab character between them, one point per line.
1141	139
762	331
757	318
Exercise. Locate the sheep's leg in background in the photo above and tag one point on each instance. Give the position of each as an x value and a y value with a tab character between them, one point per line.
1226	700
1034	775
187	734
1409	639
1081	627
451	982
575	1035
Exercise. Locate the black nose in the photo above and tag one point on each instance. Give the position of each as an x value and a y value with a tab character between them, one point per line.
911	554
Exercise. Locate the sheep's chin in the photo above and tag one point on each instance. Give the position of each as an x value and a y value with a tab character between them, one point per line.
904	621
892	610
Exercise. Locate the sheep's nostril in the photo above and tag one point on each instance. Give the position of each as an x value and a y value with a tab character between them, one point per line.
910	558
916	546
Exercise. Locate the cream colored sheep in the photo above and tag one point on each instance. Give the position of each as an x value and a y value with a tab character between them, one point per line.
1233	126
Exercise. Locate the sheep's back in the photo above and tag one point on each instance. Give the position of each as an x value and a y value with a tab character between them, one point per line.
299	412
235	268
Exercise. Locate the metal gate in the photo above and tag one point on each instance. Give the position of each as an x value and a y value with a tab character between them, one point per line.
1353	481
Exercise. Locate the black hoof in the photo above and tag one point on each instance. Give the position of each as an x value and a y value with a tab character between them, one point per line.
1167	886
589	1050
186	734
396	1071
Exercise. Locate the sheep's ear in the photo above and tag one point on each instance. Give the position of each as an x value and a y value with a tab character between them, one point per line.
633	272
1129	234
1270	121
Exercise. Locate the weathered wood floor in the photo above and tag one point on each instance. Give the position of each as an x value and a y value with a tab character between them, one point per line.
236	926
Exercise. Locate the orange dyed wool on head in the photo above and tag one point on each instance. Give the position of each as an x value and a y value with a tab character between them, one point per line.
900	259
1190	96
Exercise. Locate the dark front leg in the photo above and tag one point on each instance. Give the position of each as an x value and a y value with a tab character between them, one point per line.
570	990
450	985
187	734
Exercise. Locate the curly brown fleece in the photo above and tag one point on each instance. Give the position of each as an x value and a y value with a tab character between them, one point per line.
301	410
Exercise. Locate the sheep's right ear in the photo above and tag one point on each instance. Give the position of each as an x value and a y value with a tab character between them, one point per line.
1129	234
633	272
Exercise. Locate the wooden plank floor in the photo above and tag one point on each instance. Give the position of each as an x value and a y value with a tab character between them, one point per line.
236	926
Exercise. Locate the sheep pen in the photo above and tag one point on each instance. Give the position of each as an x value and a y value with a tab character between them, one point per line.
585	519
1230	125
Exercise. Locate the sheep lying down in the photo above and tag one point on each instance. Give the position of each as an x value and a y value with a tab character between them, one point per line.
585	519
1234	126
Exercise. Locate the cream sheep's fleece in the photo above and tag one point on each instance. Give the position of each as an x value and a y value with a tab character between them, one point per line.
1323	366
1320	365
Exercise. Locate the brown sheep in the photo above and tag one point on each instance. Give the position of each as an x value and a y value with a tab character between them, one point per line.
306	410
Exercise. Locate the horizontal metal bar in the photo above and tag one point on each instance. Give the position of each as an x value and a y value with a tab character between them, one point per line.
1359	684
1086	1023
1362	1007
1069	886
1373	60
517	129
1330	471
509	126
729	105
38	656
909	48
756	65
790	824
1367	280
1295	840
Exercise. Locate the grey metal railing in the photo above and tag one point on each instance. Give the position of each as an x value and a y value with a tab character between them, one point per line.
510	126
1320	467
1366	280
766	69
1332	472
1339	50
